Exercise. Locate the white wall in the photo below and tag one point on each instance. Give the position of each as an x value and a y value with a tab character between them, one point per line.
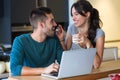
70	2
110	15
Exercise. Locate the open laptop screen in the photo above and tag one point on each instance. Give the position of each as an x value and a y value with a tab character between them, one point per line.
75	62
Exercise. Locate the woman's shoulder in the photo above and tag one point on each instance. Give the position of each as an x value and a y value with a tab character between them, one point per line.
72	29
71	26
100	32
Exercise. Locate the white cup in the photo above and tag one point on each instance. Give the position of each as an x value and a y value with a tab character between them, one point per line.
75	38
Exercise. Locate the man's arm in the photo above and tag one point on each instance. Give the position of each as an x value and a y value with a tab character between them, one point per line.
37	71
16	62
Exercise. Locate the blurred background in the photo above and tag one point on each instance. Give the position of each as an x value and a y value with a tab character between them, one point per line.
14	19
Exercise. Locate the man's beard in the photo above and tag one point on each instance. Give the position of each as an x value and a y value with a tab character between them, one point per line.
50	32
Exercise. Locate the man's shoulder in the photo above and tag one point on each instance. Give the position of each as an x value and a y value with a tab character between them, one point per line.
22	37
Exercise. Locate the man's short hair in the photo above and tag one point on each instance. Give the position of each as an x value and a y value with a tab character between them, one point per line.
39	14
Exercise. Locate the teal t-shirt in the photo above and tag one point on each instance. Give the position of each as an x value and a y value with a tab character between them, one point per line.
28	52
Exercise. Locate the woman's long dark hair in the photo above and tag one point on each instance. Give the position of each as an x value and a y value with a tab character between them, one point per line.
82	7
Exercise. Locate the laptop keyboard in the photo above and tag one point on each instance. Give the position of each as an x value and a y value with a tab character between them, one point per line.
54	74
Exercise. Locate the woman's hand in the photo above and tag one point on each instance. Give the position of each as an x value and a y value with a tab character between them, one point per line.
82	40
97	62
60	33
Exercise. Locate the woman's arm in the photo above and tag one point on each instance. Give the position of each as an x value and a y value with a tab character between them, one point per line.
65	39
66	44
99	54
68	41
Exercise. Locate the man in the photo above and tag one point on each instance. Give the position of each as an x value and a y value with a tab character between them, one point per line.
35	53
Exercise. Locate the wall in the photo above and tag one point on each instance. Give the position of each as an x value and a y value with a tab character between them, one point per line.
1	8
20	10
60	9
5	24
109	13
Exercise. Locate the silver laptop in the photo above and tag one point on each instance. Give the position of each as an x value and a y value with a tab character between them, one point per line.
74	63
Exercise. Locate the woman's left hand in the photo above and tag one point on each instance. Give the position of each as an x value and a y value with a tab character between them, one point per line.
97	62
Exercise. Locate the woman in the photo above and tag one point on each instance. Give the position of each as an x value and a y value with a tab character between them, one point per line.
85	32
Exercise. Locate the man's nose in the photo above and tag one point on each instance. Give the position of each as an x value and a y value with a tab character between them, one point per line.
54	23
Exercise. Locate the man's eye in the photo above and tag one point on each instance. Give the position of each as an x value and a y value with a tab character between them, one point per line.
76	14
52	21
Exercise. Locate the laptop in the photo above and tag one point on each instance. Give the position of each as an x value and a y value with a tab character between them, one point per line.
74	63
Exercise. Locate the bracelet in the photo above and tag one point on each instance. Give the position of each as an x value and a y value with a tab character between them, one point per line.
62	40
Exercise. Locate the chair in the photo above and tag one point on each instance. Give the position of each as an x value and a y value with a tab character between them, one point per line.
110	53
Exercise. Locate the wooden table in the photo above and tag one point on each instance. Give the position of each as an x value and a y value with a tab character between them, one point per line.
106	68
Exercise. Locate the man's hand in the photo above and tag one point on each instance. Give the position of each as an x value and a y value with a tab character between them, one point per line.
52	68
